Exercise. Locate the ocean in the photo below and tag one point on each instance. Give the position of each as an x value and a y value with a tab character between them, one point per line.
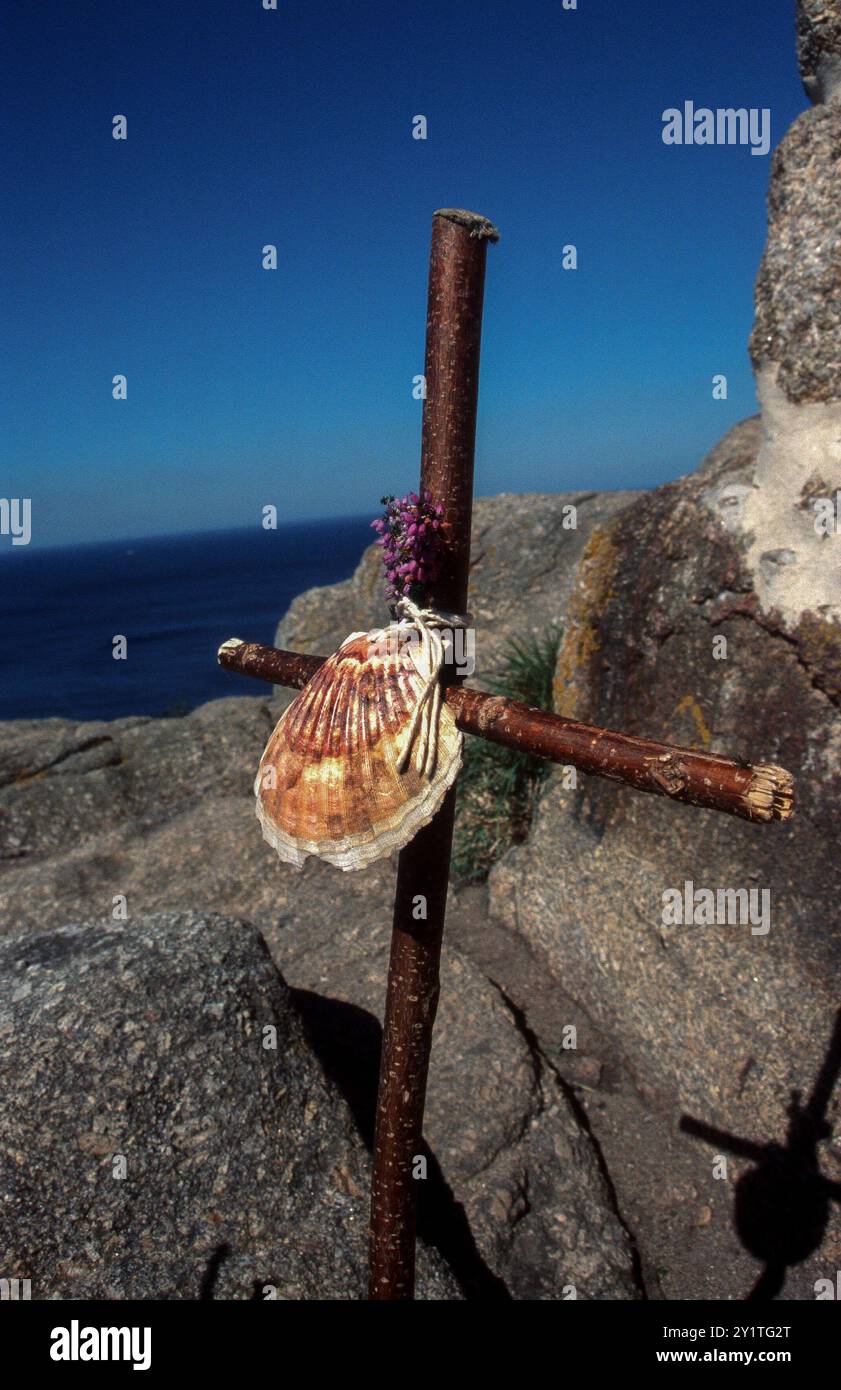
175	599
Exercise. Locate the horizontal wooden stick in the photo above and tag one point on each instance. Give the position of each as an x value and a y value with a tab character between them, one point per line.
761	793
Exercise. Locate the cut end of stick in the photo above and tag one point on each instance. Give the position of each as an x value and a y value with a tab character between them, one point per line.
479	226
229	646
770	795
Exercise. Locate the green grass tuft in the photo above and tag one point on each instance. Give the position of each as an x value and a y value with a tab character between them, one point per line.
498	786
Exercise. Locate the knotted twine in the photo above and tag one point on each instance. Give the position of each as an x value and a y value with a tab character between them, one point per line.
427	711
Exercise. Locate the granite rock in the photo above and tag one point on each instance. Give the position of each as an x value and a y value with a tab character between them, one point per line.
786	518
150	816
721	1022
524	552
797	328
164	1150
819	48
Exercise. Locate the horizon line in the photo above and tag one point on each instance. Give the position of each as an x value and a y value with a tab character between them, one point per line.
290	525
177	535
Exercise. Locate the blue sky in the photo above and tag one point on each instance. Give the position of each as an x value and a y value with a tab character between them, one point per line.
294	127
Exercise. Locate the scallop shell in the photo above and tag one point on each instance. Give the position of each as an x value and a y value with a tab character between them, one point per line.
328	782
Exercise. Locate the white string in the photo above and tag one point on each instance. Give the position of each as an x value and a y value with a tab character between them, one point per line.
428	709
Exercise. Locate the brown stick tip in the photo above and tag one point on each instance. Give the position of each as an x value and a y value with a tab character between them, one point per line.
770	795
478	226
229	646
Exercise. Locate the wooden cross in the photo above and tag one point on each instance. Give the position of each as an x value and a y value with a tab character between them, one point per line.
762	793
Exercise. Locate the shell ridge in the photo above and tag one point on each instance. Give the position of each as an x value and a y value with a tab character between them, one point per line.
342	794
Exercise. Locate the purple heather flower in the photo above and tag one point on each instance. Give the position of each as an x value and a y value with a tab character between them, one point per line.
410	532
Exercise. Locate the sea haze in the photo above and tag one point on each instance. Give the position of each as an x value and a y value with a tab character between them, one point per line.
175	599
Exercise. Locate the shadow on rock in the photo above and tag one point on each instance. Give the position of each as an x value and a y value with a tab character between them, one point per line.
346	1040
211	1274
782	1205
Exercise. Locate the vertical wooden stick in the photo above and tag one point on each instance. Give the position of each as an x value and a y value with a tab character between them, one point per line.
453	333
